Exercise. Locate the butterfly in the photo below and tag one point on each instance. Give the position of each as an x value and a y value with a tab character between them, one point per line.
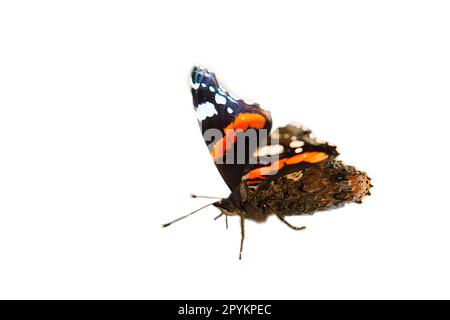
284	172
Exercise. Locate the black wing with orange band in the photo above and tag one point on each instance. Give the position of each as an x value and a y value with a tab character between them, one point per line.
289	149
223	118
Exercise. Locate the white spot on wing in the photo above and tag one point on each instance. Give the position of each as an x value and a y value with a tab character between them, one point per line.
220	99
205	110
229	110
204	85
269	150
298	150
195	85
295	176
296	144
211	88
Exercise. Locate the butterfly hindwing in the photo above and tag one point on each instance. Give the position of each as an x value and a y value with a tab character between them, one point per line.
223	120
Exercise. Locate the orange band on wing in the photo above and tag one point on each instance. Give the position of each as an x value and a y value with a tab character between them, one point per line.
247	120
242	122
259	173
310	157
223	144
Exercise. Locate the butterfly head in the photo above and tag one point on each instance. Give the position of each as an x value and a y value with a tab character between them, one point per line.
229	206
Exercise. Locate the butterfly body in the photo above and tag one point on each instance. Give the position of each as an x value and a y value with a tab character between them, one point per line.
315	188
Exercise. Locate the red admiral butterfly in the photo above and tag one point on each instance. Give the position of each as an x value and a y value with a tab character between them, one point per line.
284	173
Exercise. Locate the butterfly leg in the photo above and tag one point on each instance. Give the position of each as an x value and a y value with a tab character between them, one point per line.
242	235
281	217
226	219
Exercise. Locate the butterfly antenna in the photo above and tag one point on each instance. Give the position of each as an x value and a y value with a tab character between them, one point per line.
185	216
204	197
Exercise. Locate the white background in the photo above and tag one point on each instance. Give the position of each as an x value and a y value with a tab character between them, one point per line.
99	145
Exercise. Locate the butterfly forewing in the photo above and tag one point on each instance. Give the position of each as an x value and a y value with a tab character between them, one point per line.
232	129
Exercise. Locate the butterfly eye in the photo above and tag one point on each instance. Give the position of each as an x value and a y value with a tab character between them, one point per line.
341	195
338	177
